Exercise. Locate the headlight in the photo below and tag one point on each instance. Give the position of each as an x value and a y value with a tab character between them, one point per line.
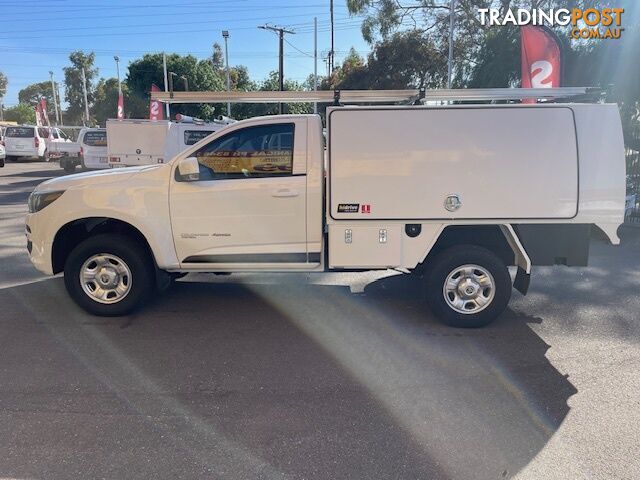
39	200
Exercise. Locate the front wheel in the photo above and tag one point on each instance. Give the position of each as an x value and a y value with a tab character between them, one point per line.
109	275
468	286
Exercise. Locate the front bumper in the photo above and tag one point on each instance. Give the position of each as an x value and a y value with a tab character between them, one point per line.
39	249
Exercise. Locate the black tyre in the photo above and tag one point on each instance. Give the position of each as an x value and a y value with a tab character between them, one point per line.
69	168
467	286
109	275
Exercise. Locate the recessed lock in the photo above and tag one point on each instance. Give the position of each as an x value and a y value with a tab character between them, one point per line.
348	236
452	202
382	235
412	229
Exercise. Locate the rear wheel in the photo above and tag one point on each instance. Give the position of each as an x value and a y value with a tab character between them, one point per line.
109	275
468	286
69	168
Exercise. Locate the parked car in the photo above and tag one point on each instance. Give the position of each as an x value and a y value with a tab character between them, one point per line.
24	141
455	194
89	151
93	148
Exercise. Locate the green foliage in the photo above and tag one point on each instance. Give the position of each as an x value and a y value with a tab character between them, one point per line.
106	100
217	57
3	84
272	84
32	94
73	85
21	113
497	63
149	70
406	59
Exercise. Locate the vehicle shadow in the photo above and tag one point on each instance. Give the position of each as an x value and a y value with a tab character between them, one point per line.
243	380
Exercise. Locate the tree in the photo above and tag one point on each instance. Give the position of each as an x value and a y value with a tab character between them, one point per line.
106	100
3	84
404	60
271	84
217	57
430	18
21	113
32	94
73	90
149	70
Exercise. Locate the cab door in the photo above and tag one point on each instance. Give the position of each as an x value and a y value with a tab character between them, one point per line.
247	208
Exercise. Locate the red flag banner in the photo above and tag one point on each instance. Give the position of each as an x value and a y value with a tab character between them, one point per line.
541	58
155	107
38	116
120	106
43	112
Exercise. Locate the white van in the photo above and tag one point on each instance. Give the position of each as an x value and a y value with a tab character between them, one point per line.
26	141
149	142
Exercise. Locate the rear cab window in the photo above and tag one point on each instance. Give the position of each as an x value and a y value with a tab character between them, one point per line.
43	132
95	139
20	132
191	137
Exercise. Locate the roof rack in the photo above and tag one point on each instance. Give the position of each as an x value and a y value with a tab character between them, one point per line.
415	96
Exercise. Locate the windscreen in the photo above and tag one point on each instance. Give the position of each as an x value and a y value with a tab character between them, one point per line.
95	139
20	132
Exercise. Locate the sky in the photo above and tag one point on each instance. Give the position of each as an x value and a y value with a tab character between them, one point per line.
36	36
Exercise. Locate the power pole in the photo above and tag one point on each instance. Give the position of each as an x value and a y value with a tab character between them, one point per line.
280	32
166	84
84	91
315	60
59	102
450	64
332	53
55	103
225	35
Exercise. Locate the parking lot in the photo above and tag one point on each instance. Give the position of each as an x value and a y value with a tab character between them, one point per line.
321	376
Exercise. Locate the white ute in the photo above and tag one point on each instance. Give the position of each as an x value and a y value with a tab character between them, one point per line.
455	193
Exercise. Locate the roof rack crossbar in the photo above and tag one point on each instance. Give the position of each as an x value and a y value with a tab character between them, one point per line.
376	96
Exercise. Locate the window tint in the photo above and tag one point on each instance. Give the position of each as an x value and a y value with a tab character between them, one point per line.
43	132
20	132
62	134
191	137
262	151
54	133
95	138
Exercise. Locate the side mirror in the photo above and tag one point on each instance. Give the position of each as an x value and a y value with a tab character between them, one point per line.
189	169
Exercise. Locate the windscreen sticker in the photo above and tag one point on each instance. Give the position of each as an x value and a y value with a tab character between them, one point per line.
348	207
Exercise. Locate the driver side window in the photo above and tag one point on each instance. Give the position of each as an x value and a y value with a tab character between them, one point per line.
252	152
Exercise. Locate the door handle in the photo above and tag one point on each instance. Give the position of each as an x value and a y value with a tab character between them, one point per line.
284	192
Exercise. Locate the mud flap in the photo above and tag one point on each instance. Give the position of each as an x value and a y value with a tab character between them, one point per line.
521	283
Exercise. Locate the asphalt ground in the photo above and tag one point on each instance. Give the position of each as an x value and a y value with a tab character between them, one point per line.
324	376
